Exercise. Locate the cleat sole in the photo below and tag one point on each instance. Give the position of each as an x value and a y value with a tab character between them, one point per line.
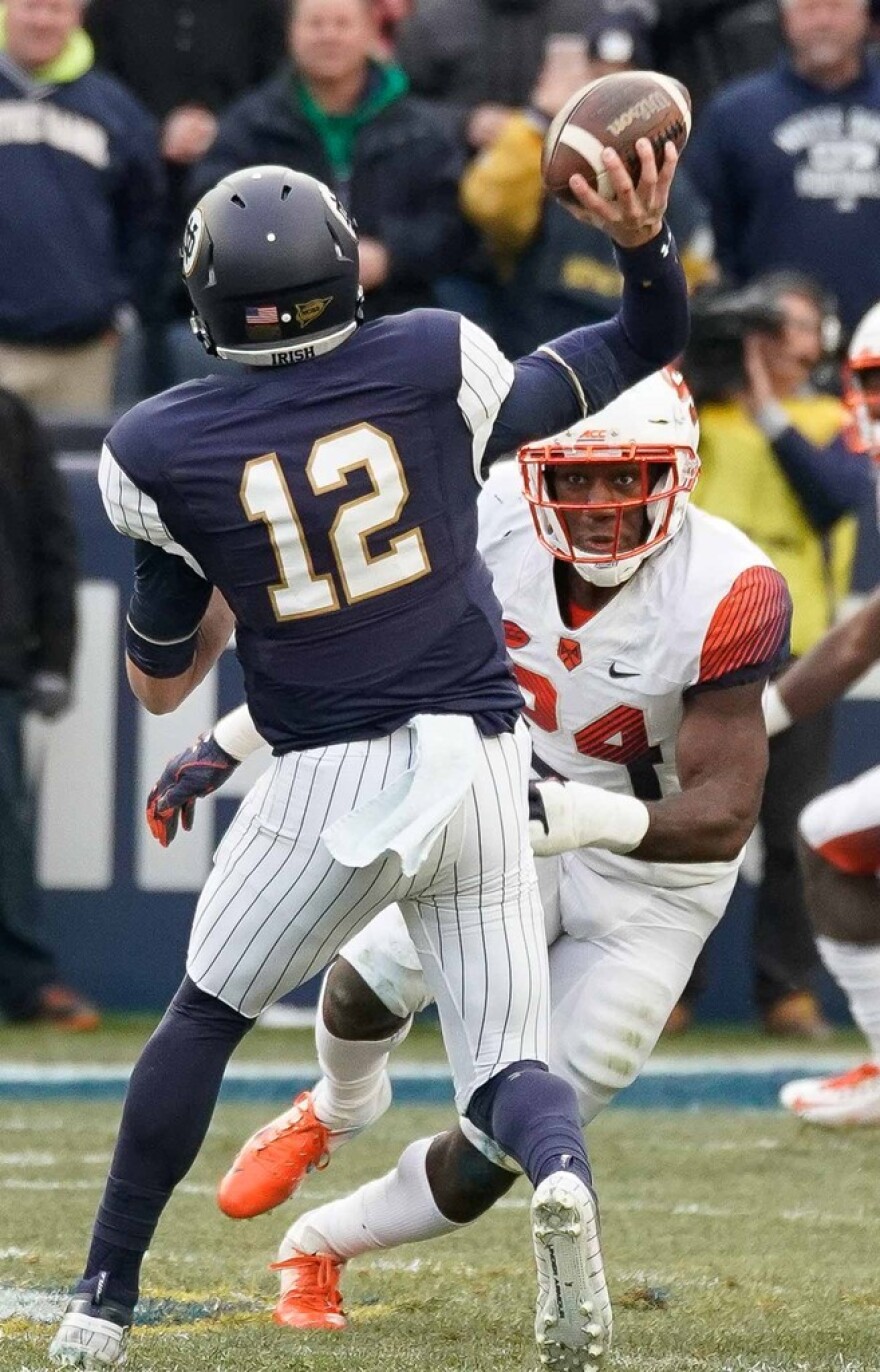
573	1316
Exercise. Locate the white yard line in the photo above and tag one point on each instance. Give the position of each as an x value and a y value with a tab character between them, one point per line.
758	1063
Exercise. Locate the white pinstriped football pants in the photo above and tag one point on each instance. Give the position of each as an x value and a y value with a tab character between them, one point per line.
277	907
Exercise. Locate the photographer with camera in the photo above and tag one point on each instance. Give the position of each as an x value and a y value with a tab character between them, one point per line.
779	463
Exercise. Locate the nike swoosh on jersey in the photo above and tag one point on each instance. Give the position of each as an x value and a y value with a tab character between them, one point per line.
612	671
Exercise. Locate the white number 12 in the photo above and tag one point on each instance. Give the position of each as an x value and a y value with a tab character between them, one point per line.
300	592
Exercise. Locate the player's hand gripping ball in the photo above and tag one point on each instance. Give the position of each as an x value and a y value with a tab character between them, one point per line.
614	112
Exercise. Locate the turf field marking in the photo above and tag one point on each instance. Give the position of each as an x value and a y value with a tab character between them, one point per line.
389	1265
29	1159
685	1210
678	1363
186	1188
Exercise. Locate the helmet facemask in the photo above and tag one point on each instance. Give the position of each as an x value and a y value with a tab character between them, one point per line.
861	394
861	380
664	474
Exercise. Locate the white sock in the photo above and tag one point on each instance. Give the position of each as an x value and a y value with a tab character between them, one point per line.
856	969
353	1090
398	1208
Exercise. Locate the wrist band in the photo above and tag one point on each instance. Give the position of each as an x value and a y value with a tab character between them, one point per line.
237	734
777	715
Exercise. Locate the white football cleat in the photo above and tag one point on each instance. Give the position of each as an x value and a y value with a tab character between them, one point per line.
573	1314
88	1340
852	1098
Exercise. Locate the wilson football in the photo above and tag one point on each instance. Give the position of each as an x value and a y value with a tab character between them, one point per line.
614	111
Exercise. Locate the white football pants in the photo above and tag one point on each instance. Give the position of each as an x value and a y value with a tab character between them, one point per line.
277	907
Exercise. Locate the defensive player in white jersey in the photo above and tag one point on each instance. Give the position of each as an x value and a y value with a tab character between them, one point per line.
840	830
642	633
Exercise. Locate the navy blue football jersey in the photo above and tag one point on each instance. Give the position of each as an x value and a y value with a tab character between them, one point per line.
334	506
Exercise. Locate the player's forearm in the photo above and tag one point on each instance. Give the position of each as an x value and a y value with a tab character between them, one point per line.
649	330
839	659
705	824
654	315
709	823
161	695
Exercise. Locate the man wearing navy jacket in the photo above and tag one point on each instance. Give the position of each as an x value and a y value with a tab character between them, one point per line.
789	159
82	200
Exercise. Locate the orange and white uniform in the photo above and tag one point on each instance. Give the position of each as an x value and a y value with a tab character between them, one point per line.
843	825
605	701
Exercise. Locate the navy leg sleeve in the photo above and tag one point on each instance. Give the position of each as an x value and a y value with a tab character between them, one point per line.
533	1116
168	1107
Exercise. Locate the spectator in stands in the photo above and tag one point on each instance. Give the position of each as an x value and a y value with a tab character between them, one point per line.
706	43
619	35
478	60
186	60
557	273
37	631
789	160
341	116
82	195
388	16
777	463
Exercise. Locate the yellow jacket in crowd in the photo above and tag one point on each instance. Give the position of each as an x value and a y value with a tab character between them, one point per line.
742	481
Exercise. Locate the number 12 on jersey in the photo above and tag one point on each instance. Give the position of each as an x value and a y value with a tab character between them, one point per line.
300	592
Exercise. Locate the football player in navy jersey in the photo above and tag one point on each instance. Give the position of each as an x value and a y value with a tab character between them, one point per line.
323	498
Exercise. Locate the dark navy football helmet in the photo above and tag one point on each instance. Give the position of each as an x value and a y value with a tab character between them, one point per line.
270	260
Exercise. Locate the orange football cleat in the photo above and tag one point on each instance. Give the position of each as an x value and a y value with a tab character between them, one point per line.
61	1008
274	1161
310	1295
851	1098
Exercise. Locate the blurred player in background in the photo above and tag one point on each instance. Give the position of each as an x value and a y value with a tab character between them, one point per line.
840	830
641	632
323	498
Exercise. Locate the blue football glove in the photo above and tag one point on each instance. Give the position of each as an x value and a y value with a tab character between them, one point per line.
203	768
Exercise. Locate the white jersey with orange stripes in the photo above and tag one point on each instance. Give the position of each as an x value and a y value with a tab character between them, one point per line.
843	825
605	701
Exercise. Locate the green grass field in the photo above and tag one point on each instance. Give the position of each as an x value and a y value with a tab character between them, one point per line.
735	1242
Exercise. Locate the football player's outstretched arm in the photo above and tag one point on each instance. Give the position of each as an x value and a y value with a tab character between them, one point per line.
822	675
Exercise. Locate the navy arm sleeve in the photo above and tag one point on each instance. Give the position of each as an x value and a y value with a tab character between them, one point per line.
584	370
167	605
830	481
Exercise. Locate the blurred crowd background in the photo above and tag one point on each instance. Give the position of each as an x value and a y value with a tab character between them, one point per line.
427	118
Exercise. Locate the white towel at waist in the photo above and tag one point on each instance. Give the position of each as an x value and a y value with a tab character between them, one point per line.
409	815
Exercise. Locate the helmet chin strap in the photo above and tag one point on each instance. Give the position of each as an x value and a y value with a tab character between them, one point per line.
608	573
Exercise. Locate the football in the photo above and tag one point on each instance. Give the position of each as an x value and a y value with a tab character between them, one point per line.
614	112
